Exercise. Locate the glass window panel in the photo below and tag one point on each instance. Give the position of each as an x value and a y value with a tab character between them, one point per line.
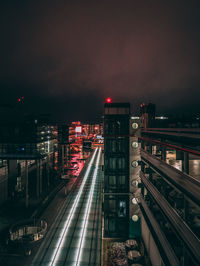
121	180
113	146
106	223
112	164
112	205
121	163
121	208
112	180
112	225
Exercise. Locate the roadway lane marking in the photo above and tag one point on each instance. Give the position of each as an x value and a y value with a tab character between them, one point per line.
87	213
59	244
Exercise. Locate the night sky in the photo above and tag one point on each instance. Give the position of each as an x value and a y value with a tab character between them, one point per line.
66	57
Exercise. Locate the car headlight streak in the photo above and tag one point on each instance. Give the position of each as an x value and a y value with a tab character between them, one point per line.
61	239
87	212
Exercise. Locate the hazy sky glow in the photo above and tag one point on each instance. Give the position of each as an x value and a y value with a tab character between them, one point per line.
69	55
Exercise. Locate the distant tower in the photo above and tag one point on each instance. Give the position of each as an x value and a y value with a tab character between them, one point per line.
147	115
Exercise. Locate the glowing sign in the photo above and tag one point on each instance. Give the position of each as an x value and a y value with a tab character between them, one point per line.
78	129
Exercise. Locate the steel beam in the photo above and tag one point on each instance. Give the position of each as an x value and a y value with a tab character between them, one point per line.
181	228
186	184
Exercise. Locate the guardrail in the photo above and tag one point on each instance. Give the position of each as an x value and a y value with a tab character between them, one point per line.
175	147
188	185
177	136
184	232
166	249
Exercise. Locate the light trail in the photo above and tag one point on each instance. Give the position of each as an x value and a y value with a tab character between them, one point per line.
63	234
87	213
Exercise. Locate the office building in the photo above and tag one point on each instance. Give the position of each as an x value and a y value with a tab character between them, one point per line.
116	169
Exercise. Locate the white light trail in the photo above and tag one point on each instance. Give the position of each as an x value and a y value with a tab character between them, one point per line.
61	239
87	213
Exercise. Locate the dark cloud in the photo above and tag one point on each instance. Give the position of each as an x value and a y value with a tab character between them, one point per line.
72	54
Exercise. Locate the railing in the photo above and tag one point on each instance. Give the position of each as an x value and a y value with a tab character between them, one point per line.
184	183
183	136
182	229
187	187
175	147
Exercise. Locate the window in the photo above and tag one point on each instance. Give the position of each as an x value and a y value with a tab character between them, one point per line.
112	163
112	181
121	145
121	163
110	225
121	208
121	181
112	205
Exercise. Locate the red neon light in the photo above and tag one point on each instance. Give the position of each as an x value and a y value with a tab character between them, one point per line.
20	99
108	100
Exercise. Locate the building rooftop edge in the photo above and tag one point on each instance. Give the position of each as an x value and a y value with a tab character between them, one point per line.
117	105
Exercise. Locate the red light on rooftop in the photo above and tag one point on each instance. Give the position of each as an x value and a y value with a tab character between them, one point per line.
20	99
108	100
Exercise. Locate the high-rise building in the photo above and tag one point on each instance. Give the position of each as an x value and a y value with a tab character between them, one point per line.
116	169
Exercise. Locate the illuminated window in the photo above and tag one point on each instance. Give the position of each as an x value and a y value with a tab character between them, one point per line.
121	208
